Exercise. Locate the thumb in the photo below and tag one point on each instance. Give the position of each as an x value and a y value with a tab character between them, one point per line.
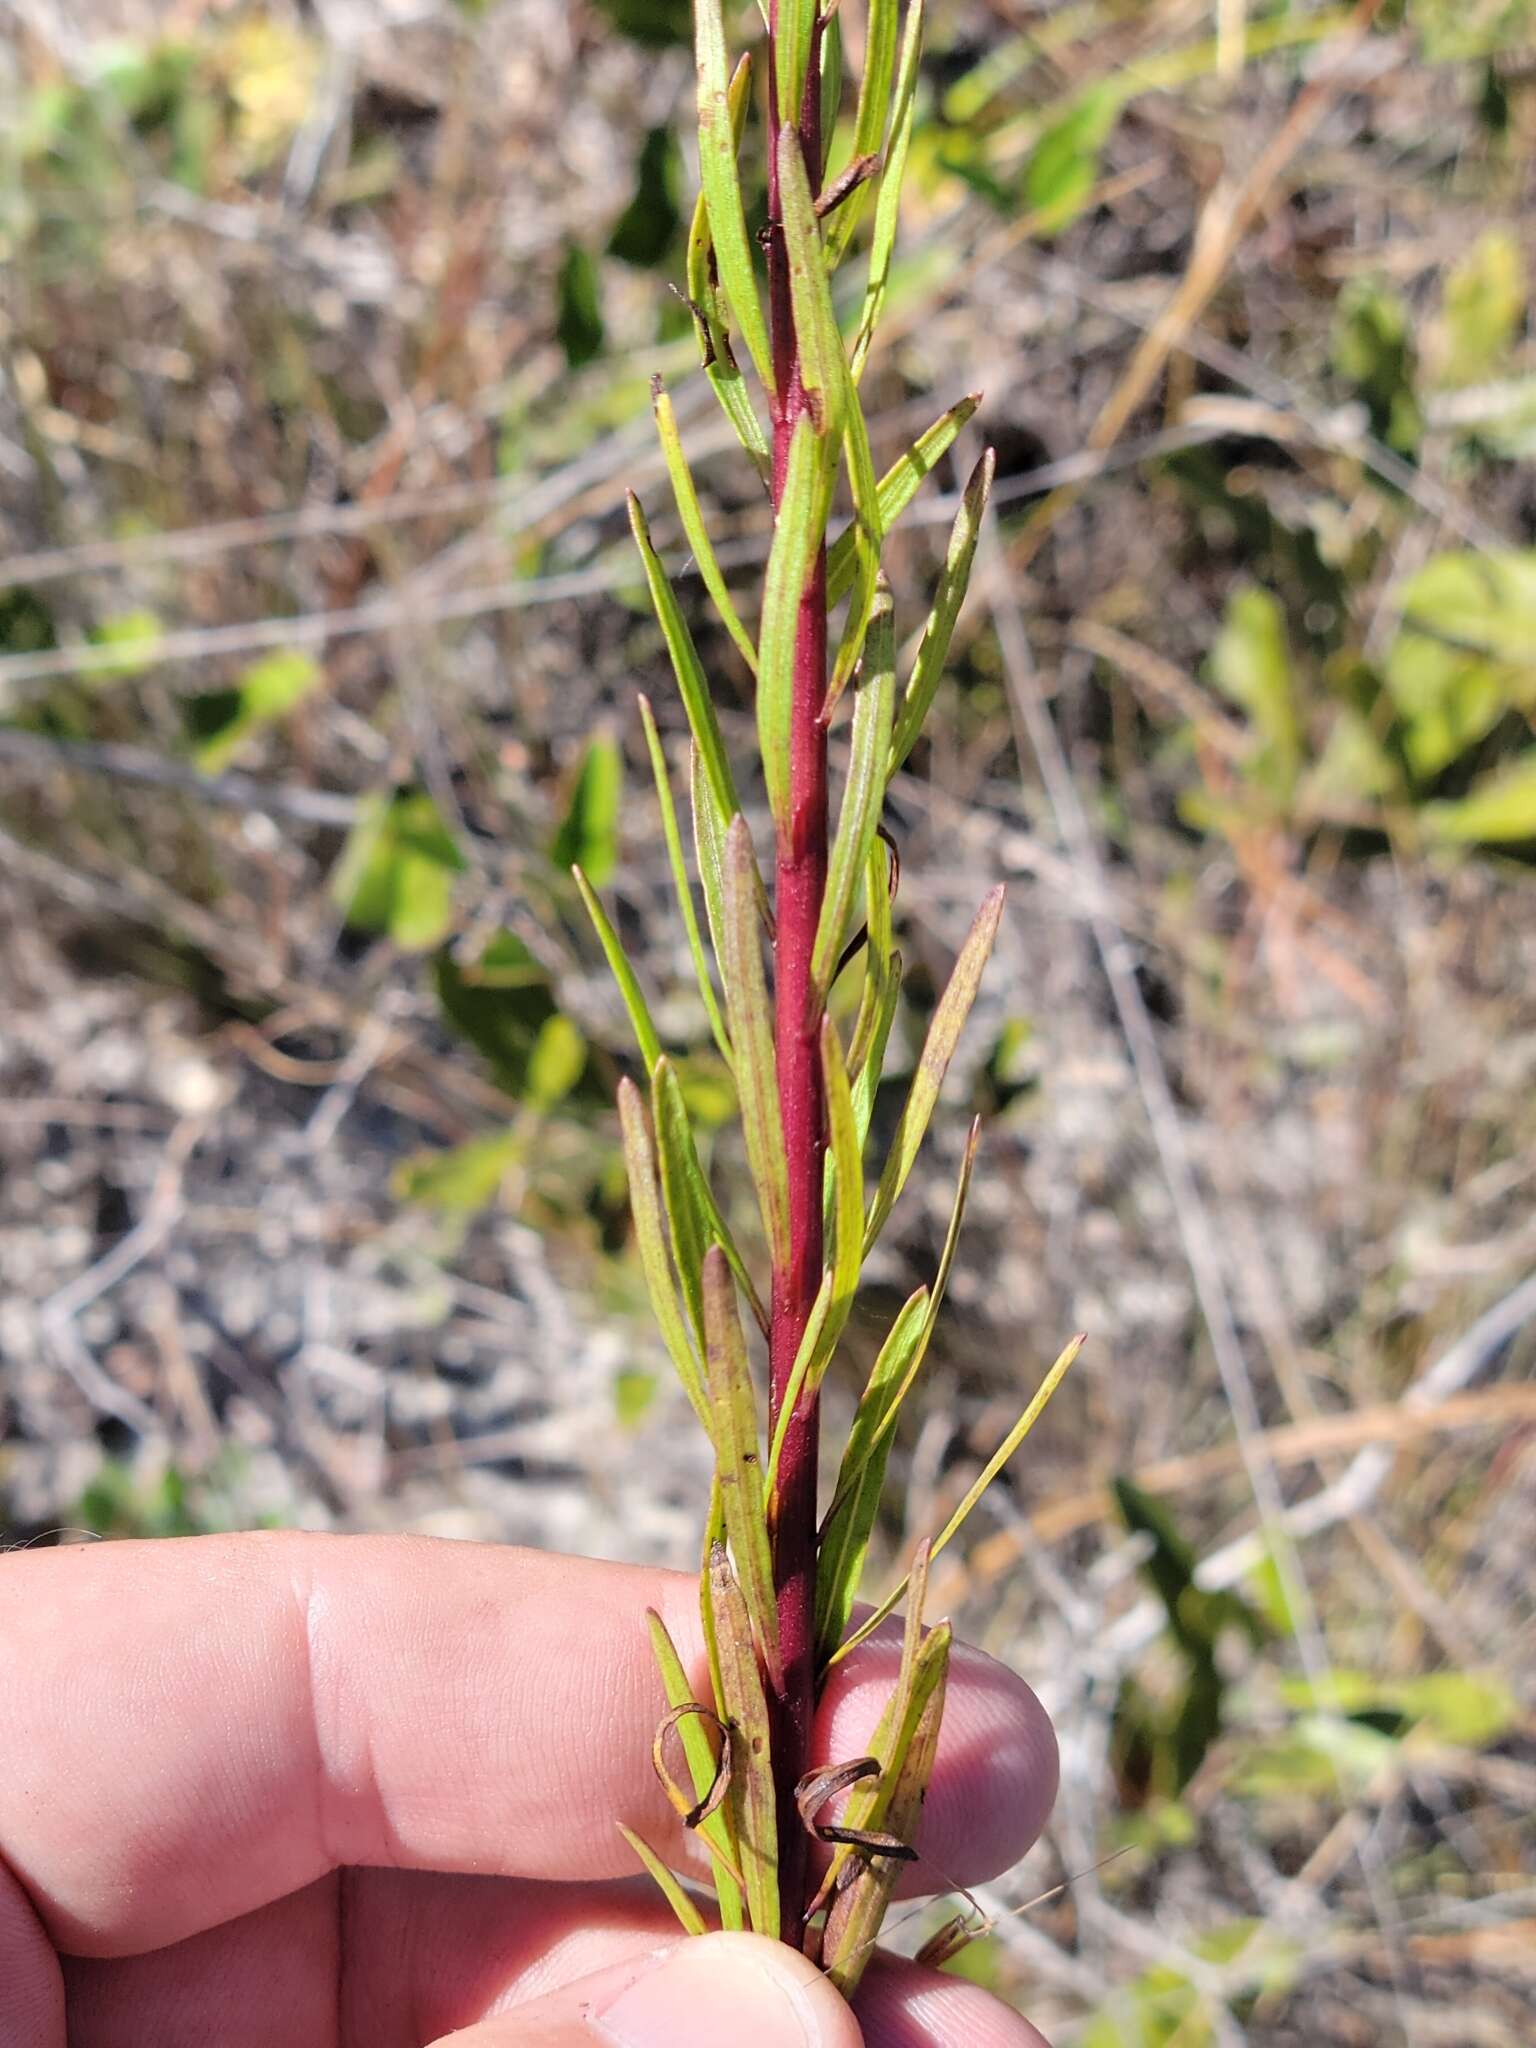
711	1989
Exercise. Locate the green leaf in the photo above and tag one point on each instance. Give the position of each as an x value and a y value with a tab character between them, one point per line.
722	186
944	1029
644	231
556	1063
702	1758
623	974
957	1520
845	1153
1483	307
588	835
1373	351
126	646
691	514
799	526
720	364
460	1181
1064	167
396	871
794	27
653	23
688	1914
650	1240
500	1002
867	537
894	1806
1500	809
867	1056
933	649
751	1021
738	1459
823	366
579	325
709	829
888	204
690	1196
1481	601
1251	664
896	490
221	721
863	794
845	1537
812	1353
880	38
680	884
688	669
751	1800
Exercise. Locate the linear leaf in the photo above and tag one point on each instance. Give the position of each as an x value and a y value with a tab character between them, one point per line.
682	1170
650	1236
880	38
847	1179
867	1070
751	1799
933	649
810	1353
823	366
994	1465
623	973
720	365
888	204
686	666
680	884
897	488
751	1021
853	1924
738	1460
944	1030
868	534
878	892
794	25
845	1536
703	1764
873	708
687	1912
691	513
709	851
799	526
722	185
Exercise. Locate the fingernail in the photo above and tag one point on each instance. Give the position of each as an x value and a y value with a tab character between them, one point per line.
724	1988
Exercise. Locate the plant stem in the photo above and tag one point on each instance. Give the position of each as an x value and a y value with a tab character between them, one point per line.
800	884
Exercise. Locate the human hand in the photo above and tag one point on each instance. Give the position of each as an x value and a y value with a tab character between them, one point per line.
291	1791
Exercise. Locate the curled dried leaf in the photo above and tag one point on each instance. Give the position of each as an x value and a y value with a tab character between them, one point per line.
692	1812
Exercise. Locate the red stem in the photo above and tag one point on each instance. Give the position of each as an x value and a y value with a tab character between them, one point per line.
800	884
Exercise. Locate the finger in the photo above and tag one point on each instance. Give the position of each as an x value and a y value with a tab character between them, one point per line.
200	1727
901	2005
695	1994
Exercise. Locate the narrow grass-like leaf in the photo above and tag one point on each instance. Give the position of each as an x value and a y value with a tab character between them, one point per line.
709	851
722	185
687	1912
812	1354
831	80
944	1030
853	1924
994	1465
853	1468
933	649
691	513
650	1236
793	24
847	1179
845	1538
823	366
685	1184
623	973
879	891
888	204
703	1766
738	1459
867	1069
751	1800
873	709
751	1021
868	534
880	38
896	490
720	365
686	666
797	534
680	884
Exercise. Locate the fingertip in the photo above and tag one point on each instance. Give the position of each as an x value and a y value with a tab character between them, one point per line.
901	2005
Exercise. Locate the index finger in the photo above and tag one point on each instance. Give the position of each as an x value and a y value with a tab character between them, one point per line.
195	1728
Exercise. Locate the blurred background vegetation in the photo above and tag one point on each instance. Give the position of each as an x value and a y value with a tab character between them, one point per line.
325	341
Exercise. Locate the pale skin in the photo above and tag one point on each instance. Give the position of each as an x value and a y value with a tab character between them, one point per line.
291	1791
